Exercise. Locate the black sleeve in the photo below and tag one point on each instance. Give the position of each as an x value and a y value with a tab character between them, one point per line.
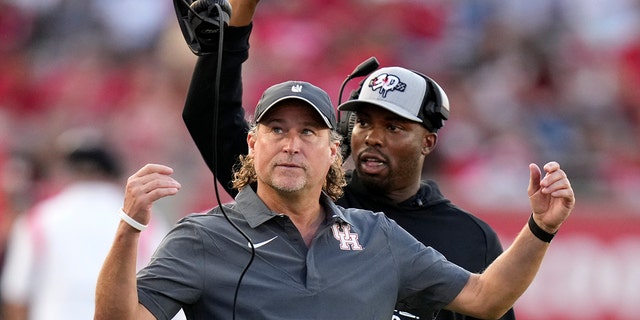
230	132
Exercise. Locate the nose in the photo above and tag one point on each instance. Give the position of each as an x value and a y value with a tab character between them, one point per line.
374	137
291	144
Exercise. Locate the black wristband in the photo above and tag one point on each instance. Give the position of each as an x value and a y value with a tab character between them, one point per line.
539	232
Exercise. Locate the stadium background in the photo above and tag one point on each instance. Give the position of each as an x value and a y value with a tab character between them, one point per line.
528	81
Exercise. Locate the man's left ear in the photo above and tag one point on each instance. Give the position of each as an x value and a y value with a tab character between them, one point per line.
429	142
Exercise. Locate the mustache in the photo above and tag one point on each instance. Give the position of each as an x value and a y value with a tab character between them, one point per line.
289	161
372	152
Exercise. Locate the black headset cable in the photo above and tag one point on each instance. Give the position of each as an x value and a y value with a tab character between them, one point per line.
216	103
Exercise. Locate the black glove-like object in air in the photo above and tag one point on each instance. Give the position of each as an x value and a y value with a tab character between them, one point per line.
200	22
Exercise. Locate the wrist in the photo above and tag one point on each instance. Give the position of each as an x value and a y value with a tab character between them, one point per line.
539	232
131	222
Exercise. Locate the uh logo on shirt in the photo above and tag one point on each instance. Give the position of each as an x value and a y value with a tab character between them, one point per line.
348	240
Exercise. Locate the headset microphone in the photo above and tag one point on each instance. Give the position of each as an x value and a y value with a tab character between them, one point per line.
345	125
361	70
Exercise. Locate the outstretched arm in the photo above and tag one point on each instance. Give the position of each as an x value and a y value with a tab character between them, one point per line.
492	293
116	291
230	131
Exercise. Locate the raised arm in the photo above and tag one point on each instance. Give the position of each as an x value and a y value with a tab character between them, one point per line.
243	11
116	291
230	131
492	293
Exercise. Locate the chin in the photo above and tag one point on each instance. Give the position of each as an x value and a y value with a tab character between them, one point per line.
375	183
288	186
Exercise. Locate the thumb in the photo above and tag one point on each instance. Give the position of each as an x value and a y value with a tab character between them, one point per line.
534	179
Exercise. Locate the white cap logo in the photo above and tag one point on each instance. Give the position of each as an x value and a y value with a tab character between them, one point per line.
296	88
384	83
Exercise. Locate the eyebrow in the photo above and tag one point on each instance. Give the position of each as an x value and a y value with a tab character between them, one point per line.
316	123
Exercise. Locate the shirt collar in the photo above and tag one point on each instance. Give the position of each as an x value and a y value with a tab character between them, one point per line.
256	212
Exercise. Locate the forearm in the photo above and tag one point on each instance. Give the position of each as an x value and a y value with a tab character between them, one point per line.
510	275
490	294
116	289
116	292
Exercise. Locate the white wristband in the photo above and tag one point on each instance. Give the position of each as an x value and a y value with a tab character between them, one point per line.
134	224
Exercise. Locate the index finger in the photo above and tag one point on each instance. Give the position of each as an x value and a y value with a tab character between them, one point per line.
553	176
153	168
551	166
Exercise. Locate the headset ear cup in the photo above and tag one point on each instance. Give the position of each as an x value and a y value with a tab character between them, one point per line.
200	5
347	122
198	21
183	13
207	11
437	109
205	23
345	127
435	104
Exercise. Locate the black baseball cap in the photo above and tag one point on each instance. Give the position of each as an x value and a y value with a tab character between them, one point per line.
301	90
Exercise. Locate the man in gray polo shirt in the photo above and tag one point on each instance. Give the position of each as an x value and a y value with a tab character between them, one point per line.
306	258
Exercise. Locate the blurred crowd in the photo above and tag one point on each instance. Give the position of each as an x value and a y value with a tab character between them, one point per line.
528	81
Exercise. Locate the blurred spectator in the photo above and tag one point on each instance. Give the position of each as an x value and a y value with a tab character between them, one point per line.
56	249
19	173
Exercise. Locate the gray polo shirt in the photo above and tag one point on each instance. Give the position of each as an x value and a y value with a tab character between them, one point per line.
358	264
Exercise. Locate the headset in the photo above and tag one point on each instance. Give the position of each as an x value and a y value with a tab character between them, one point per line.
434	107
202	24
346	123
435	110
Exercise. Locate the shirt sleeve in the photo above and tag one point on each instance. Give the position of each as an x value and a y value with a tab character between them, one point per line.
173	278
424	270
230	130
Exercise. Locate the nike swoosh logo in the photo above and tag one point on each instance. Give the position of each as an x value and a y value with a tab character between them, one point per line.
260	244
